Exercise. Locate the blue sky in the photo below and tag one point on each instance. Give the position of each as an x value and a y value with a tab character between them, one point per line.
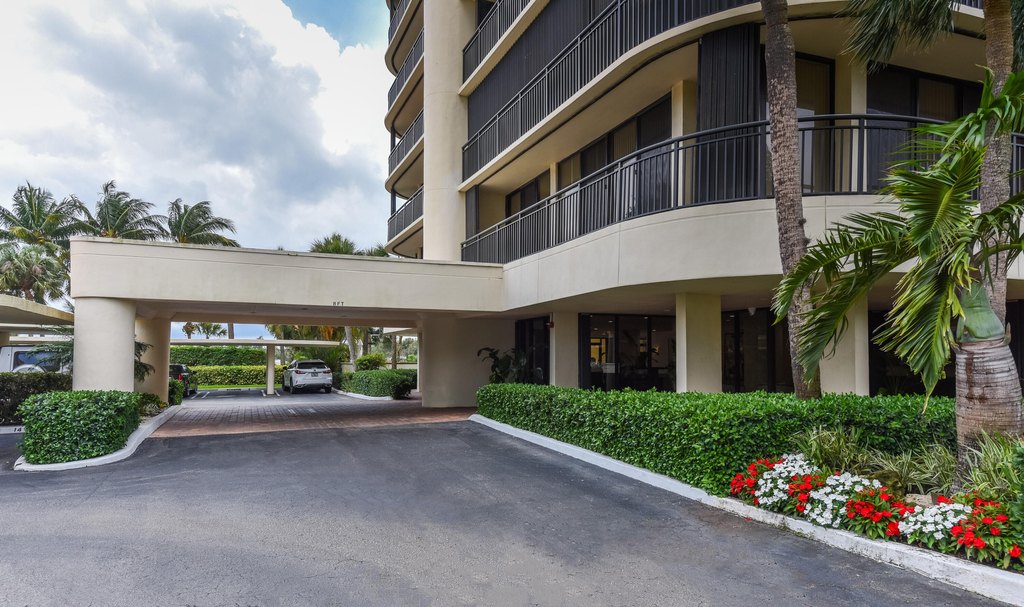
349	21
246	103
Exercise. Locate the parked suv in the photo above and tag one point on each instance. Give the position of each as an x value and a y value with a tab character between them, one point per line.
183	374
310	373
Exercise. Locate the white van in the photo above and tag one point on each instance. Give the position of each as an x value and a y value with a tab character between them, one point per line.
25	359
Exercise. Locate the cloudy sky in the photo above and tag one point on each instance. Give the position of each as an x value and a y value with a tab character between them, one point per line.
273	110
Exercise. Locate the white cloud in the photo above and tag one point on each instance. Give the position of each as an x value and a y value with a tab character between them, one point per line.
231	101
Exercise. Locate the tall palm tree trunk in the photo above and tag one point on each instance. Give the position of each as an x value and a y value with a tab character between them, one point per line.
780	67
396	347
352	354
988	396
995	172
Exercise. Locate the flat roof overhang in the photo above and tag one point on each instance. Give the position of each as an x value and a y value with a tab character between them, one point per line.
289	343
220	284
18	311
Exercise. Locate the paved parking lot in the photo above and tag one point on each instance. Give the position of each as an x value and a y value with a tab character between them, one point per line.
245	411
436	514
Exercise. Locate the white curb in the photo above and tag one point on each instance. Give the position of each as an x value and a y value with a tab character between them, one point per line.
981	579
134	440
362	396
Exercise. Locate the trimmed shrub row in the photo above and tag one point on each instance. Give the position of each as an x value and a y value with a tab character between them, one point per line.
16	387
379	382
248	375
175	392
70	426
217	356
702	439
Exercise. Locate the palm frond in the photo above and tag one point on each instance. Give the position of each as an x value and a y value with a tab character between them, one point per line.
877	26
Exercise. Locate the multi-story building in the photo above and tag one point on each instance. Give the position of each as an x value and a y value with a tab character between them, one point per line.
613	156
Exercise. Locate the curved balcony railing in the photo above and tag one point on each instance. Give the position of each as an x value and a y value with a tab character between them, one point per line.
406	215
406	143
396	18
840	154
623	25
491	29
406	70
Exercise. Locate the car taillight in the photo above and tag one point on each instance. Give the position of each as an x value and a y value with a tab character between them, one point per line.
297	372
180	377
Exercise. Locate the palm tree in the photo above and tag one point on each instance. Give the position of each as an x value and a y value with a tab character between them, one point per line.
951	246
336	244
196	224
189	328
32	273
118	215
879	26
780	68
36	218
211	329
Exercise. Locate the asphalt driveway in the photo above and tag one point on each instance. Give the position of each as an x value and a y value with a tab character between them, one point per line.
441	514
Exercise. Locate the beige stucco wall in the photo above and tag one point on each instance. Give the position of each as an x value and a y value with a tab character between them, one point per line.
157	333
450	370
447	25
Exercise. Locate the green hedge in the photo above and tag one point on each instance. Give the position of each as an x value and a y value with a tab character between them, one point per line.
410	373
69	426
370	362
175	392
150	404
379	382
702	439
249	375
16	387
217	356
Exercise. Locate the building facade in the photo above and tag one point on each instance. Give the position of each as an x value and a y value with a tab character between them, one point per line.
613	157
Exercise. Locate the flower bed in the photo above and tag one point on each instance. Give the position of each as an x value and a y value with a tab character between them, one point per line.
968	524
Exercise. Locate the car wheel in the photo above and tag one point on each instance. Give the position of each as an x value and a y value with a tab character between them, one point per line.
327	389
286	387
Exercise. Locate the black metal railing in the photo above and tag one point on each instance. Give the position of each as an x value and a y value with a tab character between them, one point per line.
396	18
622	26
840	154
490	30
406	215
406	143
415	54
972	3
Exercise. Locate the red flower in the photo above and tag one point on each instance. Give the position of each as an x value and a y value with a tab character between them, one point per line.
756	501
944	500
885	497
979	543
1002	518
800	507
996	531
956	530
893	528
987	520
1015	551
803	497
750	482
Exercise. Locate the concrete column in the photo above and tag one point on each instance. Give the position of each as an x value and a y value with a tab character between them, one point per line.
848	370
450	371
447	26
565	350
851	97
157	333
5	338
104	344
698	343
271	350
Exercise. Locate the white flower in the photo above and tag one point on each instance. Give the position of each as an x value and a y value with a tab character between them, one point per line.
773	486
827	506
934	521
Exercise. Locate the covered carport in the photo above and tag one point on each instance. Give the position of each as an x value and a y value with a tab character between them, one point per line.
271	346
19	315
127	290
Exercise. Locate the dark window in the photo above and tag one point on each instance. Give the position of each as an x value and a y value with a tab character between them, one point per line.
529	194
533	339
755	352
655	125
312	364
626	351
